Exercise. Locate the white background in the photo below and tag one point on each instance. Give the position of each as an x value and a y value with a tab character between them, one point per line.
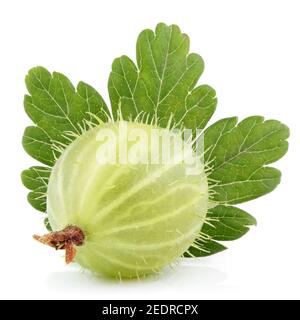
252	55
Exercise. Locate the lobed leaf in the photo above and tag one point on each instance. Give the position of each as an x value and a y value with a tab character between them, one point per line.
204	249
163	82
238	154
36	179
47	225
224	223
56	107
227	223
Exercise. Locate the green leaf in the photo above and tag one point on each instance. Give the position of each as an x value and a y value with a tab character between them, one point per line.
94	103
56	107
38	144
226	223
36	179
47	225
204	249
238	154
163	82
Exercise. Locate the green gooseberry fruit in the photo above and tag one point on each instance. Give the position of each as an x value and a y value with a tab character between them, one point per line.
125	219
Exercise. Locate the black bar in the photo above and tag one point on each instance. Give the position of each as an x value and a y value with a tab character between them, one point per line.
140	309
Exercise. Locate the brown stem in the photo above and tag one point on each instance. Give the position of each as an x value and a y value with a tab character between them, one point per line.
67	239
